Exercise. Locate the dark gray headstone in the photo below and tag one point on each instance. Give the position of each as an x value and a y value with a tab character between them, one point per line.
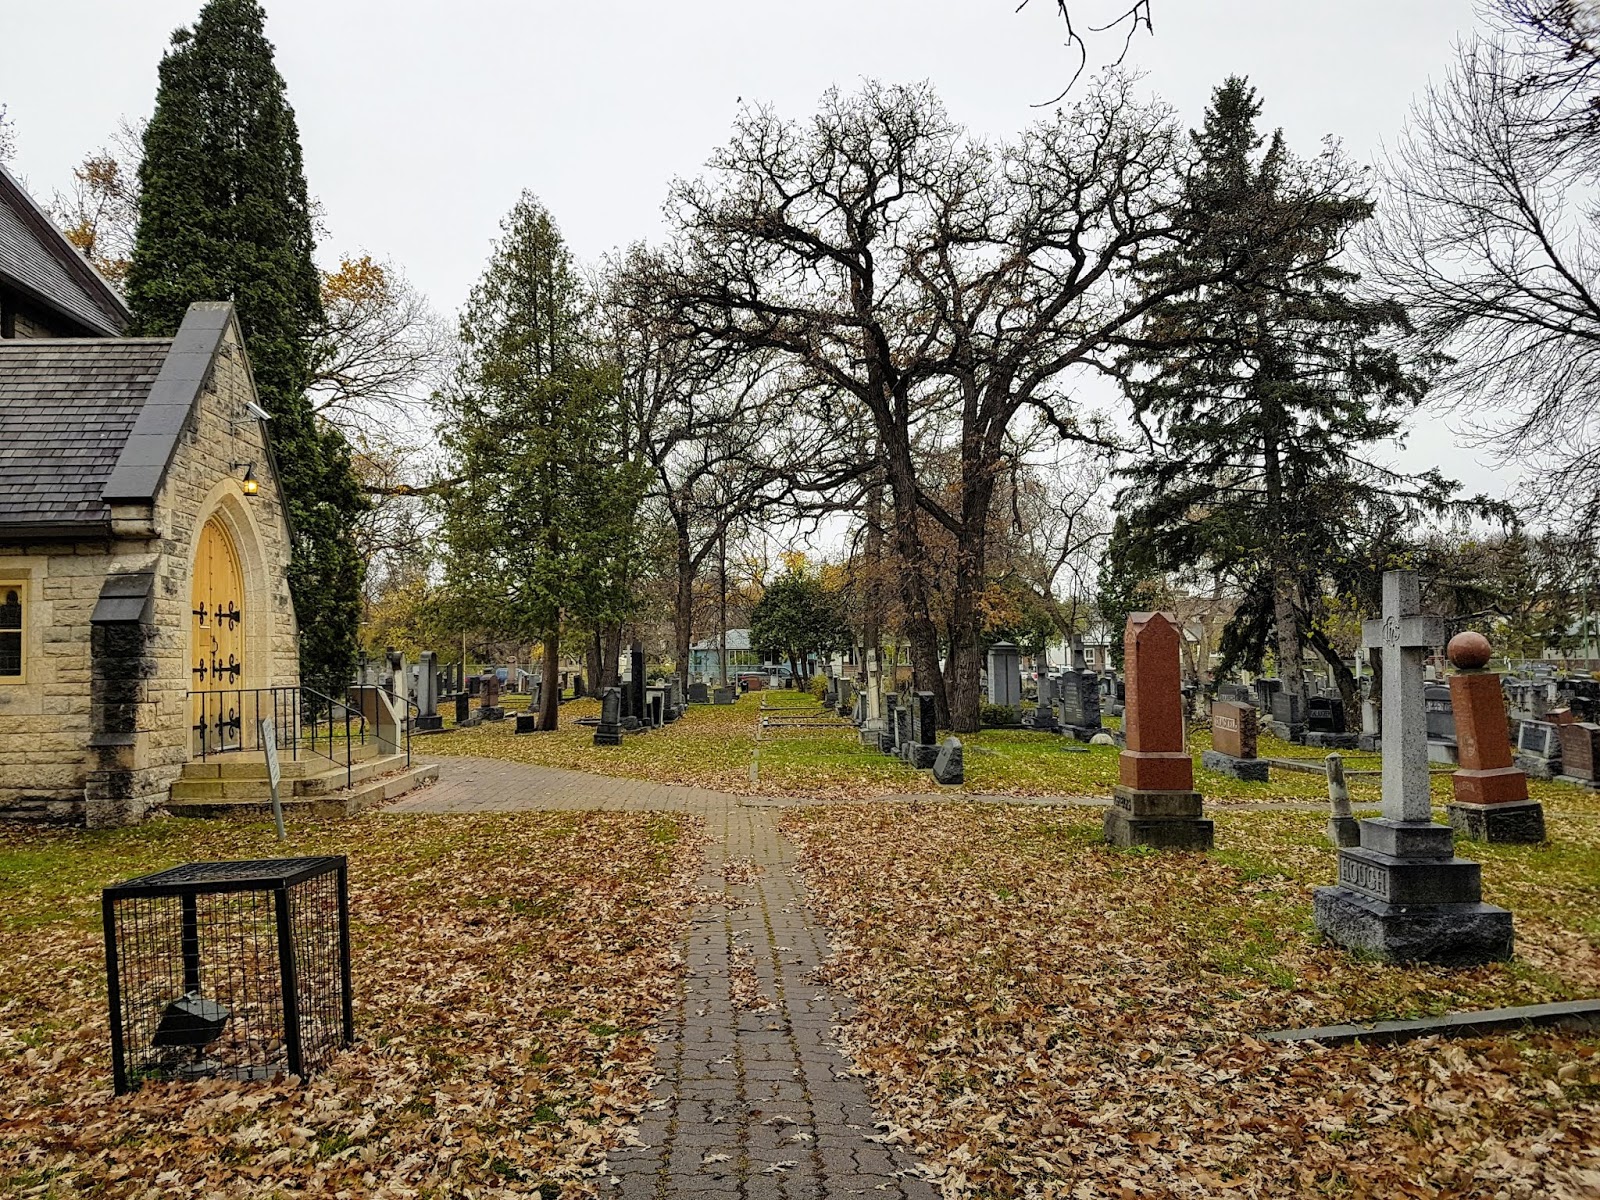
609	731
1325	714
1441	715
948	767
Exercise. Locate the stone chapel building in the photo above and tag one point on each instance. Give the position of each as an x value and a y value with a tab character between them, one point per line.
144	547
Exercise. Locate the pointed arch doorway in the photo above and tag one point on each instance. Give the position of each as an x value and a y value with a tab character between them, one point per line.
217	641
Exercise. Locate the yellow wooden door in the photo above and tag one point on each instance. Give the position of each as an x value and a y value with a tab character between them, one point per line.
217	641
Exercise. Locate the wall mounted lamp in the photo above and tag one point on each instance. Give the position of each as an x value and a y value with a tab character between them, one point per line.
249	485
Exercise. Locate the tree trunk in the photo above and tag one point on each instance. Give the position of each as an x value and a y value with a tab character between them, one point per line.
592	662
1349	689
550	692
1285	612
611	651
872	622
722	607
683	618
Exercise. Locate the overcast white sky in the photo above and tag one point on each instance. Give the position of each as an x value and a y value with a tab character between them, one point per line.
422	121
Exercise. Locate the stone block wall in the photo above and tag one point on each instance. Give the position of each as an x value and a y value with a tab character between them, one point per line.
100	740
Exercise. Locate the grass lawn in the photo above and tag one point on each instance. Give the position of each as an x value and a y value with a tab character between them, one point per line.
1043	1015
712	746
504	969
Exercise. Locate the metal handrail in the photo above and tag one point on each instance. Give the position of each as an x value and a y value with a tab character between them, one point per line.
222	726
319	700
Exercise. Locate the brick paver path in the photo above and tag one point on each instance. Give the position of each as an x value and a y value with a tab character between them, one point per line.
755	1100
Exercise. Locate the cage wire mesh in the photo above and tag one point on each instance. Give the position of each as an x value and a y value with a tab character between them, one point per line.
233	969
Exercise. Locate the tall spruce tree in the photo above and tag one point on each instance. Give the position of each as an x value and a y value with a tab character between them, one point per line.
542	528
1266	392
224	215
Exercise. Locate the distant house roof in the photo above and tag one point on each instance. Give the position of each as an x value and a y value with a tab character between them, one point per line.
85	422
738	639
37	260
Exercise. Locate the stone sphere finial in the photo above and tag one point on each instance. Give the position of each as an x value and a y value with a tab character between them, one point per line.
1469	651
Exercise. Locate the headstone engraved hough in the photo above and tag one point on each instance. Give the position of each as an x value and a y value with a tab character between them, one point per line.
1402	894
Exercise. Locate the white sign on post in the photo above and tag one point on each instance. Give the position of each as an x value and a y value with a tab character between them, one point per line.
269	747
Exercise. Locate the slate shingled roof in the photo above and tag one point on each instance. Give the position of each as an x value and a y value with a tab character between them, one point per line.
67	406
36	259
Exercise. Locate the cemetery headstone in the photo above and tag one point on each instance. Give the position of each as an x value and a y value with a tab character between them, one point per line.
1265	689
463	708
1491	794
1288	716
1580	752
923	747
1343	828
1402	894
723	695
1234	734
609	731
699	693
527	722
1155	803
1442	745
489	698
428	718
948	766
886	735
1325	724
1043	717
846	698
1079	693
636	678
1539	749
1005	676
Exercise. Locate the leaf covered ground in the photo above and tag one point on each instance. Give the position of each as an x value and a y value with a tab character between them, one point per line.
713	746
1043	1015
505	968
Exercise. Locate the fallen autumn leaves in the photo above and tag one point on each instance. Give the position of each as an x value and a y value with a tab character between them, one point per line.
1042	1015
505	969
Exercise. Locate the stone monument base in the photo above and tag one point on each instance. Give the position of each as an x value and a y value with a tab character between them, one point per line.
428	724
1084	733
1293	734
1404	896
1344	832
1370	742
919	756
1454	935
1518	821
604	736
1330	741
1537	768
1166	820
1251	770
527	723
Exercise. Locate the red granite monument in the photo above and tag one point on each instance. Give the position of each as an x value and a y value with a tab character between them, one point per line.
1491	794
1155	803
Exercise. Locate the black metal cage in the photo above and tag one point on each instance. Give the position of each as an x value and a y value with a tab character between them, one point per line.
235	969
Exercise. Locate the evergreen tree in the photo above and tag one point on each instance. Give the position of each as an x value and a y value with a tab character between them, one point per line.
798	616
1265	391
542	528
224	215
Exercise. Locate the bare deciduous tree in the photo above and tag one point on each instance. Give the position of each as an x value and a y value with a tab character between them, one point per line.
935	284
1489	237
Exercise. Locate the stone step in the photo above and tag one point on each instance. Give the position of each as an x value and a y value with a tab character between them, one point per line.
344	802
320	779
252	764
